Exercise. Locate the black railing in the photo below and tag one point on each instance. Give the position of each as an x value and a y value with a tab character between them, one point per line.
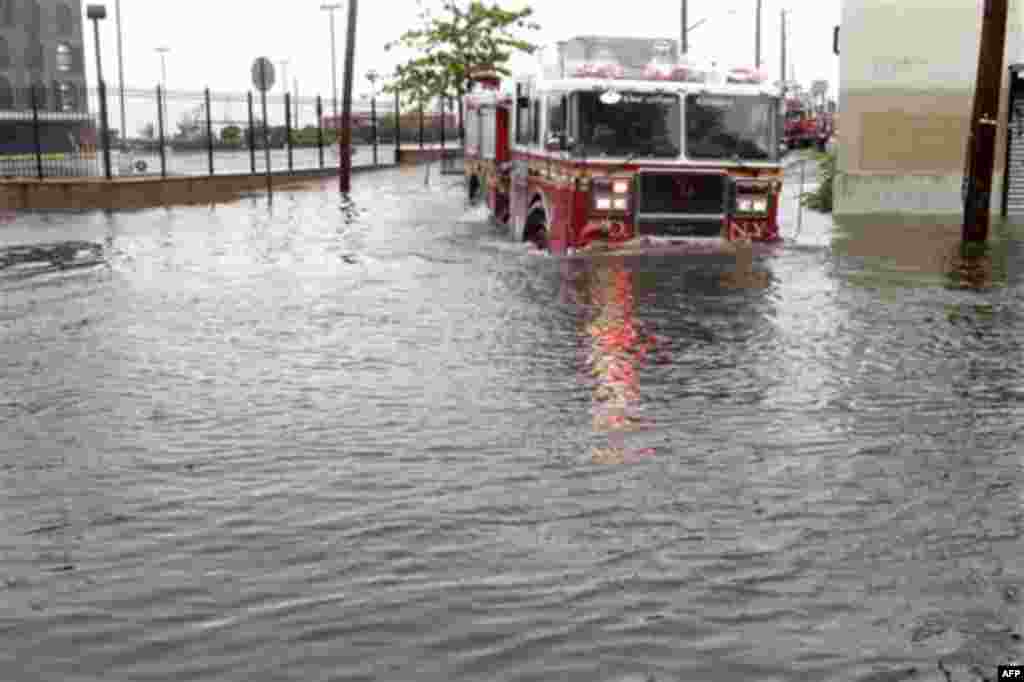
47	134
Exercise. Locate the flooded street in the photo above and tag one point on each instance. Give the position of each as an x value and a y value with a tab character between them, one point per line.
382	442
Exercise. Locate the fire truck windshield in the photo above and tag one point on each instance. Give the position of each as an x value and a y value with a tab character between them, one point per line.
638	124
730	127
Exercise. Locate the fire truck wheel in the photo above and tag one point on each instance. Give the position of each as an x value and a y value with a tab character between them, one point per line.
473	189
537	229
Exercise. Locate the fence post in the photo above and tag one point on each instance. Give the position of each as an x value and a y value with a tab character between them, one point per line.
288	127
35	132
320	130
398	127
443	113
421	125
252	138
104	130
209	130
160	95
373	125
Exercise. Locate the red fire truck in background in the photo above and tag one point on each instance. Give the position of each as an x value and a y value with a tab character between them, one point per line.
623	140
807	124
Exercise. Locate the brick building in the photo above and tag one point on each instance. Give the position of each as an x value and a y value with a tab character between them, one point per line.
41	45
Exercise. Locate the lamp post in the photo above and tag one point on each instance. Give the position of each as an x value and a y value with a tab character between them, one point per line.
334	60
95	13
163	77
120	71
372	76
284	75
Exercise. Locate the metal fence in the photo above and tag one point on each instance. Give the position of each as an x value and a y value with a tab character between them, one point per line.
114	133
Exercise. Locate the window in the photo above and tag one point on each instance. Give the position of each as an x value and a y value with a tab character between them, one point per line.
639	124
65	96
38	95
730	127
5	55
557	110
34	18
34	57
6	94
65	20
7	12
523	118
535	121
65	58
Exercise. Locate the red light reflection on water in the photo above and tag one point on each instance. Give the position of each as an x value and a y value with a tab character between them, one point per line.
616	346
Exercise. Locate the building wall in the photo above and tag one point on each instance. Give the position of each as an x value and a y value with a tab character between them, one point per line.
907	76
31	33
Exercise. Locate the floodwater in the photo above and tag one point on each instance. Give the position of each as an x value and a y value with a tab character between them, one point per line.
377	441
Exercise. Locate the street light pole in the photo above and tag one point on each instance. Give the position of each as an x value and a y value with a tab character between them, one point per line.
284	75
163	77
334	60
95	13
344	177
120	71
757	37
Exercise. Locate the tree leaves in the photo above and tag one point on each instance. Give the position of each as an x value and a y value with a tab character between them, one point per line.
451	45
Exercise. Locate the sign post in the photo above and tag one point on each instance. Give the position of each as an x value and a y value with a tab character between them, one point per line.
263	80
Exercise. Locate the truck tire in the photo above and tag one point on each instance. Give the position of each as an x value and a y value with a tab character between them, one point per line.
537	228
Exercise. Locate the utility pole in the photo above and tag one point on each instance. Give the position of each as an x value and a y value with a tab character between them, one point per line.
757	38
344	176
782	70
683	43
981	145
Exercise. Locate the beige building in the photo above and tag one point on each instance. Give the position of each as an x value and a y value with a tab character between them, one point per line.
907	75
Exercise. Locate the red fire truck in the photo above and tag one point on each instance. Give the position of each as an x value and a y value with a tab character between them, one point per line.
625	141
807	125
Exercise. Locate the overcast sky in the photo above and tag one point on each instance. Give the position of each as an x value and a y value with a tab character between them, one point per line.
213	42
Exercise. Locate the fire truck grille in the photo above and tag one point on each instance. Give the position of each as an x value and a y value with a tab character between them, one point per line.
680	204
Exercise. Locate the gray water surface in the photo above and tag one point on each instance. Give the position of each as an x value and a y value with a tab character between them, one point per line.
318	442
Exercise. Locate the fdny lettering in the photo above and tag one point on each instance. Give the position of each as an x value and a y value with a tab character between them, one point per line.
636	98
716	102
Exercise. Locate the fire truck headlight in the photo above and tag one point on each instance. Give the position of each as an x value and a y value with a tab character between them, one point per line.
603	203
745	205
760	206
621	204
620	186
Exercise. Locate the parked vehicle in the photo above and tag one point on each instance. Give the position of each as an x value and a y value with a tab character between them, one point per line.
624	140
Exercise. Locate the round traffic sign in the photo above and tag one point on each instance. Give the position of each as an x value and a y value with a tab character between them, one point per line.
263	74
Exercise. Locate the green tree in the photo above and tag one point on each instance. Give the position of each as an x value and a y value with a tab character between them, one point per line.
451	45
821	198
231	135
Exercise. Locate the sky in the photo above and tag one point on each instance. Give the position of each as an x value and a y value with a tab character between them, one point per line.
214	42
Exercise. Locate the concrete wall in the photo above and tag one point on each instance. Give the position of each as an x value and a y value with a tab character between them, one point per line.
907	75
90	194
